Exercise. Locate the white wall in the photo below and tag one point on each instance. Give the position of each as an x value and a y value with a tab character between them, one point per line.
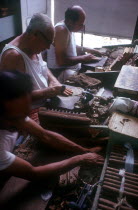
106	17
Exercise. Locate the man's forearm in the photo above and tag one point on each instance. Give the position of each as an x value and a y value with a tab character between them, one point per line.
61	143
52	80
23	169
45	93
70	61
87	49
58	168
51	138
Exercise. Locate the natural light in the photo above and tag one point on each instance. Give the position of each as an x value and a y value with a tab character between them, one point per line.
95	41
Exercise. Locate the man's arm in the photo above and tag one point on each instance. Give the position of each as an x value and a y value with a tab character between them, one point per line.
23	169
52	81
89	50
61	43
12	60
56	86
53	139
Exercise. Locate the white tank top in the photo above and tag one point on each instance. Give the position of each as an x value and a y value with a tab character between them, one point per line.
71	51
37	69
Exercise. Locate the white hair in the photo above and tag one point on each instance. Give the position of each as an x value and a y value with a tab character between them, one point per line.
40	22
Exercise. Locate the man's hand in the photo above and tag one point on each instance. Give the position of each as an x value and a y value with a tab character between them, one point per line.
97	53
67	92
89	57
62	90
90	158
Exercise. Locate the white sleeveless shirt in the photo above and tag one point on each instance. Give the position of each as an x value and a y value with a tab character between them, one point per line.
37	69
71	52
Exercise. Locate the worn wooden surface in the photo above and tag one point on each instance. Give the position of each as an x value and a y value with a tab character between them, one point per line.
127	80
124	124
122	60
93	65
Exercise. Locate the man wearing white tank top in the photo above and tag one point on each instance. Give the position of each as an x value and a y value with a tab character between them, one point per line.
23	54
62	56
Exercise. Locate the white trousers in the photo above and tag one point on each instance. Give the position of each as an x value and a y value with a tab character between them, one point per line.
66	74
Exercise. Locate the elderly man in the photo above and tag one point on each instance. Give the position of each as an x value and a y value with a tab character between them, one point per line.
23	53
15	101
62	56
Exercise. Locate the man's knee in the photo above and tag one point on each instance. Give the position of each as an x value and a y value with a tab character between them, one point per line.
66	74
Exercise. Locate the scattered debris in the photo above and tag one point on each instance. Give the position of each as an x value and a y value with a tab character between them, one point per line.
84	81
98	111
65	195
26	150
124	120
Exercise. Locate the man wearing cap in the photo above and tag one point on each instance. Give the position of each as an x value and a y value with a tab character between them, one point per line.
23	54
62	57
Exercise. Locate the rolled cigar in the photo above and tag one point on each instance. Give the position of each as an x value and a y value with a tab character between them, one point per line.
127	189
117	154
119	151
105	207
118	178
56	116
102	200
117	170
116	190
126	175
118	158
119	182
121	161
116	161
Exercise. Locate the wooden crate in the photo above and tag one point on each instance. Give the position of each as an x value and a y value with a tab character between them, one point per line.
127	82
123	128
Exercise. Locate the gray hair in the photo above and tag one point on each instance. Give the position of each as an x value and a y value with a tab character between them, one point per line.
39	22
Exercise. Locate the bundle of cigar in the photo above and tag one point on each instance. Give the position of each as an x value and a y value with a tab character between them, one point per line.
109	197
60	116
122	60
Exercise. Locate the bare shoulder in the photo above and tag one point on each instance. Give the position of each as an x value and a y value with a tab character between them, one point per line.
11	55
11	59
61	31
61	37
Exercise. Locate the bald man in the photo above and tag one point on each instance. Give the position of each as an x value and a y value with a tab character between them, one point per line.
62	56
23	54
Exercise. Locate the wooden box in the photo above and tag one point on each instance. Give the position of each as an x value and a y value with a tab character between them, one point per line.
127	82
123	128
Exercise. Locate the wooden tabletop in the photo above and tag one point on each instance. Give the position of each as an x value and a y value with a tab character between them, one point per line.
127	80
124	124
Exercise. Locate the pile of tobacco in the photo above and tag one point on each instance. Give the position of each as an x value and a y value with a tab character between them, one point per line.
98	111
75	195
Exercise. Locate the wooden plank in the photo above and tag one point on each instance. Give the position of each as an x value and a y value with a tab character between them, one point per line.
122	60
124	124
127	80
